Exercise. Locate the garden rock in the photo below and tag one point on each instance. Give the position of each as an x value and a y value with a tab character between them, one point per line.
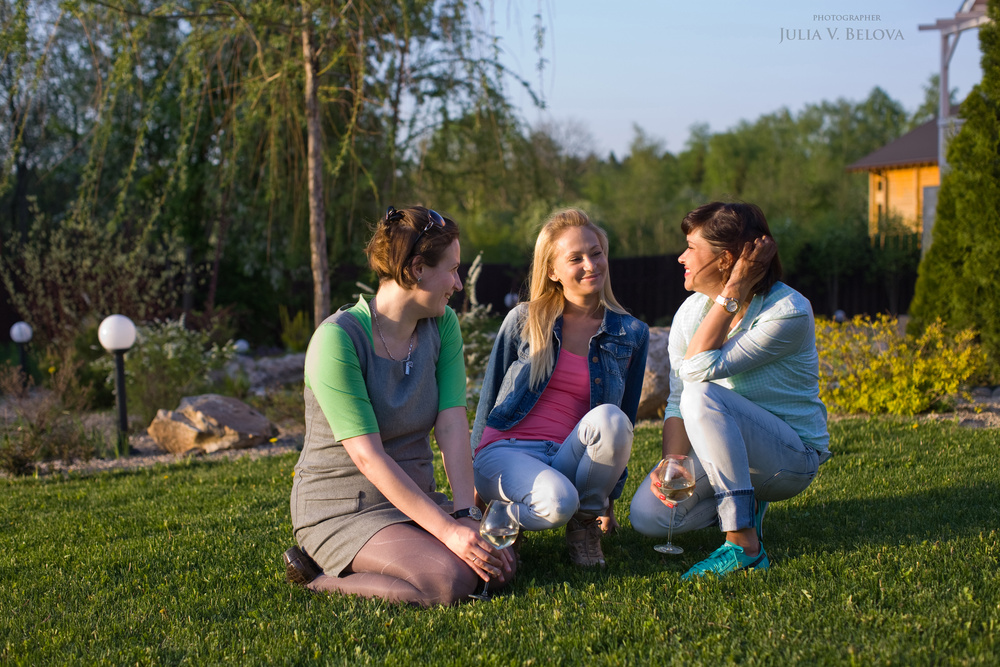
656	379
982	394
268	372
210	423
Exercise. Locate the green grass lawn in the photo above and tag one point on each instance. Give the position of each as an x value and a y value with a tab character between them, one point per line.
890	557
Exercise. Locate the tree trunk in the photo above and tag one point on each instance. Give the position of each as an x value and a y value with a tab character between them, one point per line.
223	228
187	294
314	166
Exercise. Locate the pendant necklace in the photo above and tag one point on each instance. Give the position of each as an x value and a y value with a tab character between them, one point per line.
407	364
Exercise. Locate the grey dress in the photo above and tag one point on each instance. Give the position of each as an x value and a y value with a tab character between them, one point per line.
335	508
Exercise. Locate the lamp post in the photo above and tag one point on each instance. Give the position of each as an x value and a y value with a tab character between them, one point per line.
21	333
117	335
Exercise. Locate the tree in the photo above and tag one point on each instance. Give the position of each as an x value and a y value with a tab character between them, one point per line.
258	133
500	179
63	265
956	279
45	88
931	105
359	68
317	205
634	198
834	248
893	254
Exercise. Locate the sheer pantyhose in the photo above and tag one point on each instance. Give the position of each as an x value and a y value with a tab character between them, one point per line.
404	563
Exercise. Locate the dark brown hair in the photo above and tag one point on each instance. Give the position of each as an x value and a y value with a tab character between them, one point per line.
400	237
728	227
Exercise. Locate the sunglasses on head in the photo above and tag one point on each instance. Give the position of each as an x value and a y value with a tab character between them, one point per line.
392	215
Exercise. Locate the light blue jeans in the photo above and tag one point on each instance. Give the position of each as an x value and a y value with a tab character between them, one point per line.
552	482
741	451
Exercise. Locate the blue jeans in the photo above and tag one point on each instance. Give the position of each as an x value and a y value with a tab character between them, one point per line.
741	451
552	482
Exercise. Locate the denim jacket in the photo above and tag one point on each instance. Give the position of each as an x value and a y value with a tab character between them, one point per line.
617	361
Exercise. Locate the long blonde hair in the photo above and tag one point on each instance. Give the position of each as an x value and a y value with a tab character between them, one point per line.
545	302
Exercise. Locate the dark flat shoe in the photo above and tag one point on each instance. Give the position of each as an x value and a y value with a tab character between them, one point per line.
299	567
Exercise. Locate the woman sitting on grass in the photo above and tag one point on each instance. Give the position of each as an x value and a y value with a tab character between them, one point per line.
379	376
744	389
553	432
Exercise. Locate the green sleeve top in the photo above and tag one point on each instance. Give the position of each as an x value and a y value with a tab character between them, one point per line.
333	373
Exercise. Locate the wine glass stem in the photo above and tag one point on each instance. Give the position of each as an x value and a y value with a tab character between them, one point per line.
670	527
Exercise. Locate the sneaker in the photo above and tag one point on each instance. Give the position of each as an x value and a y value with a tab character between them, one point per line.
758	518
728	558
583	538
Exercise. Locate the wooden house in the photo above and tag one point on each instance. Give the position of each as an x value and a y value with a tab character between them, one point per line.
903	178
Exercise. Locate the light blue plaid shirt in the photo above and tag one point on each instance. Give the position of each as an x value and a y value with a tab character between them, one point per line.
769	358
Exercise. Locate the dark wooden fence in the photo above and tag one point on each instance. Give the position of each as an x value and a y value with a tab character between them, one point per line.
652	288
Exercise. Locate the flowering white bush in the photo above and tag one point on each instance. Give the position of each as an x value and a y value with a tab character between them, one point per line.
167	362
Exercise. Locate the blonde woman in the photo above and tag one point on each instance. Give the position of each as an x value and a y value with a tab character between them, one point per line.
553	432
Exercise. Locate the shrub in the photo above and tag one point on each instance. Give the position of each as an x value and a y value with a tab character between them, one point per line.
282	405
868	366
39	425
168	362
956	280
295	331
479	329
82	352
63	277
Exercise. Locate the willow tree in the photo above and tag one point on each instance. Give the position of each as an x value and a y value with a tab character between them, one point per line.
339	113
43	91
75	248
264	121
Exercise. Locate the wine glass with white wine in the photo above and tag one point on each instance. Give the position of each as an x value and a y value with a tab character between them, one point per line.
499	527
676	475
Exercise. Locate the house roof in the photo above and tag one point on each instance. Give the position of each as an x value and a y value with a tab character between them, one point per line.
917	147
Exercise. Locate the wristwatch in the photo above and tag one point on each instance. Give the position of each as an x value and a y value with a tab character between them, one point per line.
731	305
471	512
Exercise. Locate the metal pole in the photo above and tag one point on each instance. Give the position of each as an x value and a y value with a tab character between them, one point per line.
120	395
24	365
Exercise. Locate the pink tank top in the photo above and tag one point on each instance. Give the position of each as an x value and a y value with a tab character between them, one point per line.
563	403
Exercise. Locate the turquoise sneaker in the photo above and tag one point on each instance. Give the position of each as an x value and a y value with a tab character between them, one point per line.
728	558
758	518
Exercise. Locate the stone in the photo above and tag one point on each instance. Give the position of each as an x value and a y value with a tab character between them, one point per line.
656	379
267	372
210	423
982	394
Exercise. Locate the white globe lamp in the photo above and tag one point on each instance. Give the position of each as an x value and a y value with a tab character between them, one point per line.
21	333
117	335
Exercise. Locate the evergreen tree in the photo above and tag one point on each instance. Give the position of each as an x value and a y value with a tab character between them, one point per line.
957	278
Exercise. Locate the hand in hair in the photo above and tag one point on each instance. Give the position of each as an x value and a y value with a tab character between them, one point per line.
753	262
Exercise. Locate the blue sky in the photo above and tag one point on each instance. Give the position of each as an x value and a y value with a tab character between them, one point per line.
667	64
